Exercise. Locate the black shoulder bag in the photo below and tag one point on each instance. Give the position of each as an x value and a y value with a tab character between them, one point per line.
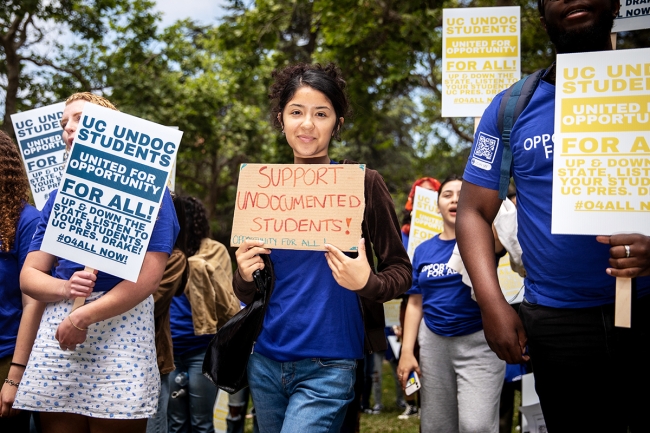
226	358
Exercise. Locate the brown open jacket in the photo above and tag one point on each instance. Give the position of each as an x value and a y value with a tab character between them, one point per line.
172	283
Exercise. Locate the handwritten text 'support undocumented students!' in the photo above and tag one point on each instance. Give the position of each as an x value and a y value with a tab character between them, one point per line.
300	206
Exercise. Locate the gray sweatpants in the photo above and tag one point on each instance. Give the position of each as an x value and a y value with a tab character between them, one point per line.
461	383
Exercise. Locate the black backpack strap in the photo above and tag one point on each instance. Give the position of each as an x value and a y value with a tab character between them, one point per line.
514	100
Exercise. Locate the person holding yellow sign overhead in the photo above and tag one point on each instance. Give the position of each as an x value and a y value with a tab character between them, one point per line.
566	320
93	369
326	309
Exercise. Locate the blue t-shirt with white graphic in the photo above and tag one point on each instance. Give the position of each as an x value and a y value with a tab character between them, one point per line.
447	303
563	271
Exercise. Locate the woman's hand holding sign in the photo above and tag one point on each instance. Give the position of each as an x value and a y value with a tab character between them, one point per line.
80	285
248	259
348	272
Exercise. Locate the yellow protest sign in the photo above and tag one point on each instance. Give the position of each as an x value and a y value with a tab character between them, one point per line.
480	57
391	312
300	206
601	147
220	412
426	221
511	282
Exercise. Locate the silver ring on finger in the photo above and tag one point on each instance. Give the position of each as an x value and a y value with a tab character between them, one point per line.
627	251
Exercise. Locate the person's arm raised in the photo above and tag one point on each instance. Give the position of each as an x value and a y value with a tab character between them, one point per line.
504	331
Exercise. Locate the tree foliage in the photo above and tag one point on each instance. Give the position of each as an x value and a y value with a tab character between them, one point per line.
39	61
212	81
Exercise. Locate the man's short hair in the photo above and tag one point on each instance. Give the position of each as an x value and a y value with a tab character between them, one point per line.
92	98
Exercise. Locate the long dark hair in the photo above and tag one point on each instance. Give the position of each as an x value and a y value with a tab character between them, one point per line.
326	79
196	222
181	239
14	191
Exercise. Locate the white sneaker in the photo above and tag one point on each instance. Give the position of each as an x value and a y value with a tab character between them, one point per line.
409	412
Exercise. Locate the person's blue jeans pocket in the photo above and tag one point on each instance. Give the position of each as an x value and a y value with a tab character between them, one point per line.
309	395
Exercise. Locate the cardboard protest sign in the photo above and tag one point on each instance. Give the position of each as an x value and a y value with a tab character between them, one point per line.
480	57
300	206
633	15
110	193
38	133
426	221
601	150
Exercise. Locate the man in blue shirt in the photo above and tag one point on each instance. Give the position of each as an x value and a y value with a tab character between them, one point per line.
566	321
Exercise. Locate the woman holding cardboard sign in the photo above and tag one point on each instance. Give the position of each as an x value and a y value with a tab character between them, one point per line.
323	306
93	369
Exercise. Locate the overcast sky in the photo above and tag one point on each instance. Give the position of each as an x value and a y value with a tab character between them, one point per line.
204	11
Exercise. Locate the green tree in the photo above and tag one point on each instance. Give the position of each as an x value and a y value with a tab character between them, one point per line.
212	81
29	27
214	95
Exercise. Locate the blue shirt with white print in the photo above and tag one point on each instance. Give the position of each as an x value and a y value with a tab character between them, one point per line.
447	303
563	271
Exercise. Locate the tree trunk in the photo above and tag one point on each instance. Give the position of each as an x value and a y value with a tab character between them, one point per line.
12	63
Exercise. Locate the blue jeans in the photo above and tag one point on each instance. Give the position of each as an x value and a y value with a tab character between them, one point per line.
158	422
191	412
310	395
590	375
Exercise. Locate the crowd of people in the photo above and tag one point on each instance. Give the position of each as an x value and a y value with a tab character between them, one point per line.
129	359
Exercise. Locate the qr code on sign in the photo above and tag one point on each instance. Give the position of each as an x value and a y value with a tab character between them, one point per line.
486	147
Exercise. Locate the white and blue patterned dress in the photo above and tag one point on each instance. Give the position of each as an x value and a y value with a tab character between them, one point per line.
113	374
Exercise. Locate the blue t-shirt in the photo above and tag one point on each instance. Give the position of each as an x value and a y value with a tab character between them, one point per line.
309	314
447	303
563	271
405	241
162	240
180	318
11	262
